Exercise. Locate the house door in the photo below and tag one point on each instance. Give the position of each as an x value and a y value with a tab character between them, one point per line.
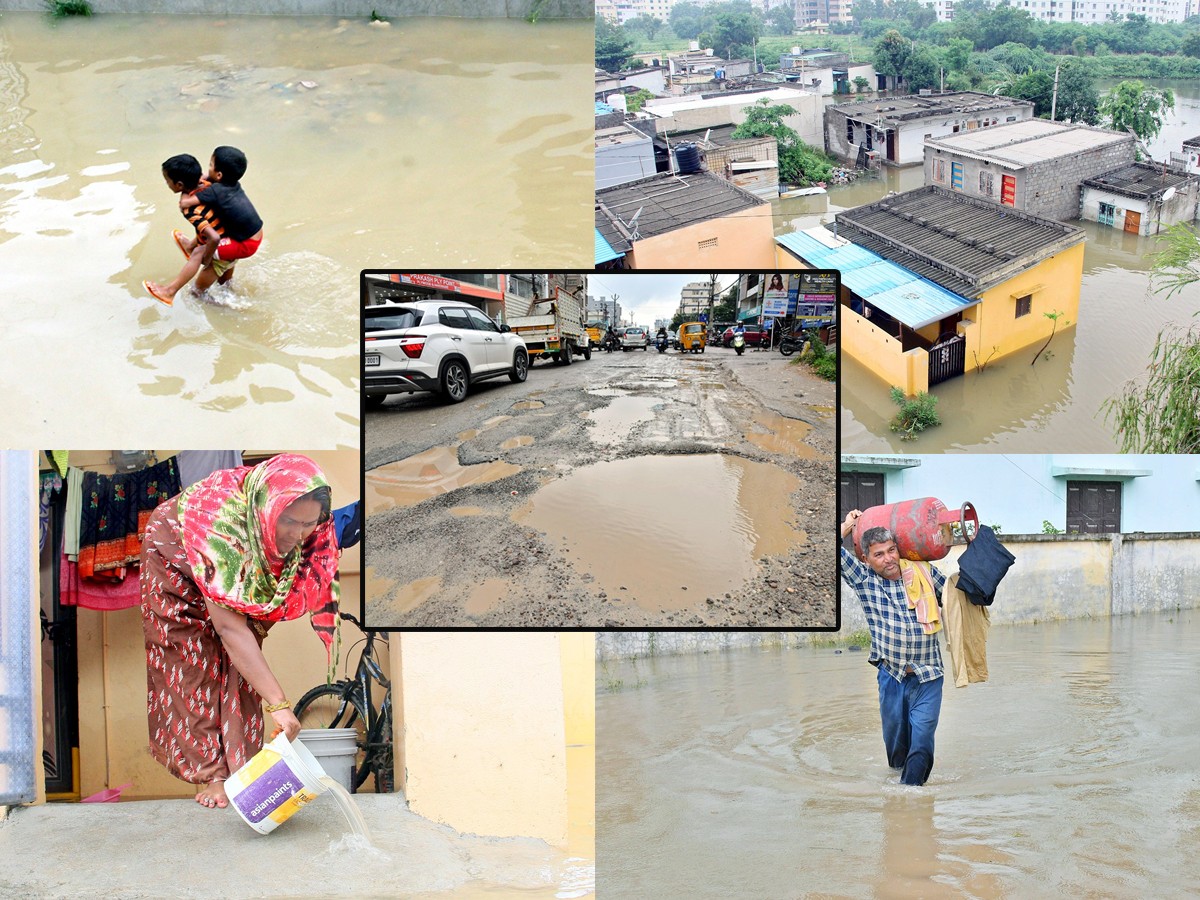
947	358
892	148
858	490
1133	221
956	176
60	679
1008	190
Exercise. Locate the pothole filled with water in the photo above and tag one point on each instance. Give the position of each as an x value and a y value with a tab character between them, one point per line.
783	435
521	440
428	474
665	532
528	404
613	423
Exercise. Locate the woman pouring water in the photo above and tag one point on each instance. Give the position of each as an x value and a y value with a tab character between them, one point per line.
221	563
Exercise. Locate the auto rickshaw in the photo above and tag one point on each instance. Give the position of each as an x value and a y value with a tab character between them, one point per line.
693	336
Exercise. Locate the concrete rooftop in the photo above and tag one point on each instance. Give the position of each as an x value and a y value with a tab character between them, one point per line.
175	848
894	110
1141	180
1020	144
964	244
665	202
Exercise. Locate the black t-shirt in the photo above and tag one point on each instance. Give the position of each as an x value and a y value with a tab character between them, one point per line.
239	220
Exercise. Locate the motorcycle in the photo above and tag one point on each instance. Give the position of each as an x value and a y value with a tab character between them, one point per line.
611	343
790	344
739	343
661	343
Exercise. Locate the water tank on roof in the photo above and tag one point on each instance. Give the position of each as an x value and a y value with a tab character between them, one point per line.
694	46
688	157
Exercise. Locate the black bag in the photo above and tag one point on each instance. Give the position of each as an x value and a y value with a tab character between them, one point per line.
982	566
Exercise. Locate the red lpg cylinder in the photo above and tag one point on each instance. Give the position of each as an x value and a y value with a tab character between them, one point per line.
922	526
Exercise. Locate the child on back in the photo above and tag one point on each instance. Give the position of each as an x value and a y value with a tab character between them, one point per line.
228	227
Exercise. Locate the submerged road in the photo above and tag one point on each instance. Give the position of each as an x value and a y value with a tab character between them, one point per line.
633	489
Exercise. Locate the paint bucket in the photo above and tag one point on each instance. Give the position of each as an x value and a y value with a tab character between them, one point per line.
336	749
280	779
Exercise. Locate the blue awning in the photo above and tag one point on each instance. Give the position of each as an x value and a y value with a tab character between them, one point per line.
902	294
604	251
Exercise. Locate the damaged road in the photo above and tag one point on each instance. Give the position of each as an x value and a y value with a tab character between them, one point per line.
632	490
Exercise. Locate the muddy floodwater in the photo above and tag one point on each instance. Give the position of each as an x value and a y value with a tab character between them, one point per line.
761	773
364	145
678	529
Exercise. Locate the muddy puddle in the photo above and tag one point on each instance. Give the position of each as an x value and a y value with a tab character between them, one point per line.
782	435
761	773
486	596
362	121
608	392
521	440
666	532
424	475
613	423
529	404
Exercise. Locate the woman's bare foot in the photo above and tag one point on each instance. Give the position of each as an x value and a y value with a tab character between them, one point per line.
213	795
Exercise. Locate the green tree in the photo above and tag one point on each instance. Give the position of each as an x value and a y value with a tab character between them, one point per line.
861	83
798	162
891	53
1006	24
637	99
1137	107
782	19
687	20
650	26
1175	265
957	54
1079	46
613	46
921	70
1077	97
1190	45
735	33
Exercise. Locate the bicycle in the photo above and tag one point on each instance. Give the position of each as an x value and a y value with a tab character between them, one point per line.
348	703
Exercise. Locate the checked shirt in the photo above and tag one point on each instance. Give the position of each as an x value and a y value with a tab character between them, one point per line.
897	639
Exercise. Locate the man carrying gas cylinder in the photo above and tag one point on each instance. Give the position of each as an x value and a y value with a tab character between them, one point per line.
900	599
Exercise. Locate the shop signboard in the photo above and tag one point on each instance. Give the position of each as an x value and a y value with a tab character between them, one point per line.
817	297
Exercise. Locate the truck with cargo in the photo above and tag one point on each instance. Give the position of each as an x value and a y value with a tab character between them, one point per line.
554	329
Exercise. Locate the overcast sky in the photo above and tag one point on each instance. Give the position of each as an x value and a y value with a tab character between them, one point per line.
645	298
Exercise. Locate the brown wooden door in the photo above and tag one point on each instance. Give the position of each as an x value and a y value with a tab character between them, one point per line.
1093	507
858	490
1133	221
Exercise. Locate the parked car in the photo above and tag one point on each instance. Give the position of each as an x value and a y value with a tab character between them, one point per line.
437	346
634	337
755	336
674	335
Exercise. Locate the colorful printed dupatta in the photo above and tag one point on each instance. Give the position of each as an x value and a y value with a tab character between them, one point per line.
227	522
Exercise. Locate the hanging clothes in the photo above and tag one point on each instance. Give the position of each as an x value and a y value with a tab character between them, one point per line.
967	626
983	565
48	483
73	512
104	594
116	509
195	465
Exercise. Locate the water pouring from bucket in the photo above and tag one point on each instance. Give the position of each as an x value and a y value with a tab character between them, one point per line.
284	777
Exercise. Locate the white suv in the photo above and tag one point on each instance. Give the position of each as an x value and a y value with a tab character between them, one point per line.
439	346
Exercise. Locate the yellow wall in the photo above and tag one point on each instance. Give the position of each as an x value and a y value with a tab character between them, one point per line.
745	240
785	261
881	353
482	731
1055	285
113	739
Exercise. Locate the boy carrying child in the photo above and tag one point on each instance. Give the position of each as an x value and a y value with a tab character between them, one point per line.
227	226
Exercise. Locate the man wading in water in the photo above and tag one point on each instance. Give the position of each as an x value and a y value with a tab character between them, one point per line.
900	600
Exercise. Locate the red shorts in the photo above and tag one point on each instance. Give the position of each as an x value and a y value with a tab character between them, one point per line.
229	250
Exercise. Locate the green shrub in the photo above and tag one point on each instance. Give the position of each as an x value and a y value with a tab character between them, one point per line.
915	415
1047	528
60	9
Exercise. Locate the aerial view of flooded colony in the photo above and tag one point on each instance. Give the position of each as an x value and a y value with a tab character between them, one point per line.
598	450
1009	190
356	136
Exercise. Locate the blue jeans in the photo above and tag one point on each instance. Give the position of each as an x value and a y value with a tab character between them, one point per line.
909	710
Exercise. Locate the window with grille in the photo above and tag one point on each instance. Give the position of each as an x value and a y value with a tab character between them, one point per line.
1024	306
939	171
1107	213
987	184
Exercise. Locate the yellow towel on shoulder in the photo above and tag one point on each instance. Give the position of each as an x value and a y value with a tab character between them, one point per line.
918	584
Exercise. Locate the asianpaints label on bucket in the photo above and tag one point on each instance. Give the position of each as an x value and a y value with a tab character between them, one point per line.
268	790
278	781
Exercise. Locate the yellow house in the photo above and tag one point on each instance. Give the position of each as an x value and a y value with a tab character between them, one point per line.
690	221
935	284
468	708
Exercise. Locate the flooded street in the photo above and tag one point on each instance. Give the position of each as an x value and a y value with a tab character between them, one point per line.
762	773
372	133
1013	406
628	489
